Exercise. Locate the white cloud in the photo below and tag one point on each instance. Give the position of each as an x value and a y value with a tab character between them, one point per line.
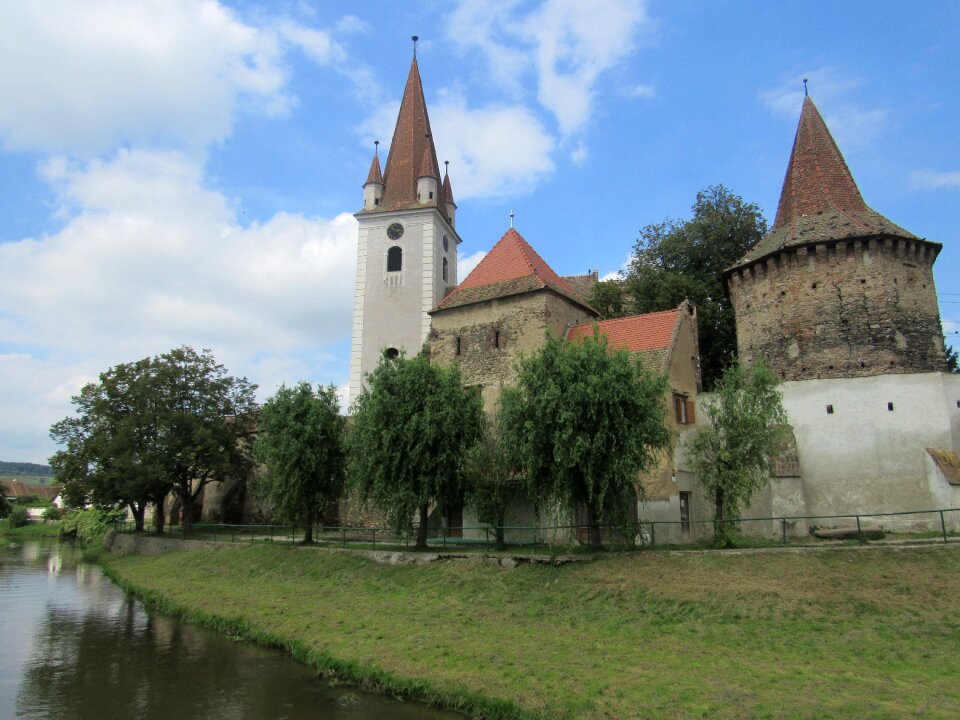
150	259
83	78
566	44
465	265
640	90
493	150
580	153
931	179
851	124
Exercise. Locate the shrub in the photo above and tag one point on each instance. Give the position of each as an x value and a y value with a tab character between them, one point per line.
90	525
18	516
51	513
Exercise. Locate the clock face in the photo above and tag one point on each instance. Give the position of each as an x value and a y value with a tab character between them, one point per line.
395	231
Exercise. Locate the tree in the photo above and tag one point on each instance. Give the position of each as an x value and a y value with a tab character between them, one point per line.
732	454
685	259
581	424
490	480
112	445
301	442
607	298
5	506
411	430
207	422
953	363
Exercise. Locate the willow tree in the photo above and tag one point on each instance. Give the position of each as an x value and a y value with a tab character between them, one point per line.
581	424
732	453
411	430
301	443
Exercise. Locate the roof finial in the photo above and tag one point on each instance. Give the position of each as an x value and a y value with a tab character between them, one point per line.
446	167
805	87
376	148
511	218
415	38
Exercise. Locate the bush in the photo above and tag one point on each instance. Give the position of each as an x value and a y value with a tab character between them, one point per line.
51	513
90	525
18	516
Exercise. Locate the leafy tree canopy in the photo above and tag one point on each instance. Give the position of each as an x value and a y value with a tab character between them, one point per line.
491	482
581	424
411	429
685	259
732	453
301	442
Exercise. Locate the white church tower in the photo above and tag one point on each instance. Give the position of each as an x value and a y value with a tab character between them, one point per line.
407	245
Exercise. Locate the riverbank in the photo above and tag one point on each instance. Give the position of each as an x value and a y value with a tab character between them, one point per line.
31	531
726	635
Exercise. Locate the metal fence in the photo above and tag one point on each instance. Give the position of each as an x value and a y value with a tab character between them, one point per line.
941	525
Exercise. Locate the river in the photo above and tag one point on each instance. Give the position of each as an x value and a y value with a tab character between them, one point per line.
74	646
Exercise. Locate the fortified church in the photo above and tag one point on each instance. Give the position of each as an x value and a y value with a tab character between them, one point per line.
837	299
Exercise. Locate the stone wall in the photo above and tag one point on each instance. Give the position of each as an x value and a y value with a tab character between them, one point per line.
837	309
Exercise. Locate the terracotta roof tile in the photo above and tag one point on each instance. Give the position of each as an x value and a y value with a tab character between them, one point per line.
582	284
447	189
427	165
820	200
636	333
511	267
411	140
375	176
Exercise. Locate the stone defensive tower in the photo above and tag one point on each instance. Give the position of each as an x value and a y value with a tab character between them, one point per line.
835	289
407	245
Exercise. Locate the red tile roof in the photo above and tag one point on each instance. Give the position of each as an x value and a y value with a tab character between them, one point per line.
411	140
820	200
511	267
375	176
427	165
636	333
447	189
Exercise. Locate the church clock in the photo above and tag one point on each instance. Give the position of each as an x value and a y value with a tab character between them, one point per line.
395	231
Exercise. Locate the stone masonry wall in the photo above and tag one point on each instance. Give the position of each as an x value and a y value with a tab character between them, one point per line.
847	308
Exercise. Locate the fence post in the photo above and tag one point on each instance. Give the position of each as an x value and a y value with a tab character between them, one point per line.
783	529
859	531
653	536
943	526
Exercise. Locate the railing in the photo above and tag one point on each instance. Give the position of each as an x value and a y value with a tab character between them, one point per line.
779	530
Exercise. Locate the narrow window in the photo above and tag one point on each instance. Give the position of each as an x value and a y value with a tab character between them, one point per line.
431	195
890	406
445	269
395	259
680	408
496	338
459	350
829	409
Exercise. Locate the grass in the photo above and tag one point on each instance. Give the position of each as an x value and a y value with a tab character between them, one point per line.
31	530
862	634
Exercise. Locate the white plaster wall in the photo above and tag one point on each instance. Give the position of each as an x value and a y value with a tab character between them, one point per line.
864	457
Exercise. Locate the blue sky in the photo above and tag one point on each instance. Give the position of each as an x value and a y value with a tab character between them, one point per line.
181	172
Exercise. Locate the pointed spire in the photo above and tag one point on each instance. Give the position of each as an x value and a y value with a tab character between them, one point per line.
817	178
427	165
375	176
411	147
820	200
447	187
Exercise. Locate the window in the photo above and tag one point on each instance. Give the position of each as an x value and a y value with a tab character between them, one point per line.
391	353
683	409
444	269
459	346
496	339
395	259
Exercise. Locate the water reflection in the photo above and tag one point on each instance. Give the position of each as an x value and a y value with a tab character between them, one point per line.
76	647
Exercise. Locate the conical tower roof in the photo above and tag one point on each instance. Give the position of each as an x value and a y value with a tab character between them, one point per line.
820	200
511	267
412	140
448	190
375	176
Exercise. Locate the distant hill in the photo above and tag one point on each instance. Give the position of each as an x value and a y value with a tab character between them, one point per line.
20	469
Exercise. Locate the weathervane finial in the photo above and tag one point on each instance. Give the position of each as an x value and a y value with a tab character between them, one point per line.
805	87
376	147
511	218
415	38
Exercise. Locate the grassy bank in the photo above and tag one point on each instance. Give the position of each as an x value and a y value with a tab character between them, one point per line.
30	531
871	634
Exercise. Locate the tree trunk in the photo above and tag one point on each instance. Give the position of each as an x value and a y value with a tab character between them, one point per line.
593	526
501	517
720	535
159	518
138	510
308	530
422	529
186	511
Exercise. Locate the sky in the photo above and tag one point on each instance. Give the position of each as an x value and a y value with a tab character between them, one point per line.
179	172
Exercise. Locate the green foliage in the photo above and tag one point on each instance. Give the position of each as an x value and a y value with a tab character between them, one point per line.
607	297
88	526
170	423
581	424
953	361
411	430
20	468
301	442
51	513
732	454
490	481
685	259
18	516
5	505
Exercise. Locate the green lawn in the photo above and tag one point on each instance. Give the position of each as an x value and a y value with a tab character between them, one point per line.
31	530
846	634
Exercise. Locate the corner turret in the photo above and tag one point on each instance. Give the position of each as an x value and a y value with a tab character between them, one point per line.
373	187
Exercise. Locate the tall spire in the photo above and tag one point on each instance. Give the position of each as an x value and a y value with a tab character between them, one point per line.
375	176
447	187
412	146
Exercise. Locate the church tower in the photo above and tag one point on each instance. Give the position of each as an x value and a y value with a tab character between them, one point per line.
407	245
835	290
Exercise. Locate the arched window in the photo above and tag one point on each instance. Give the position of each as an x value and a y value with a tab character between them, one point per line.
395	259
444	269
391	353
